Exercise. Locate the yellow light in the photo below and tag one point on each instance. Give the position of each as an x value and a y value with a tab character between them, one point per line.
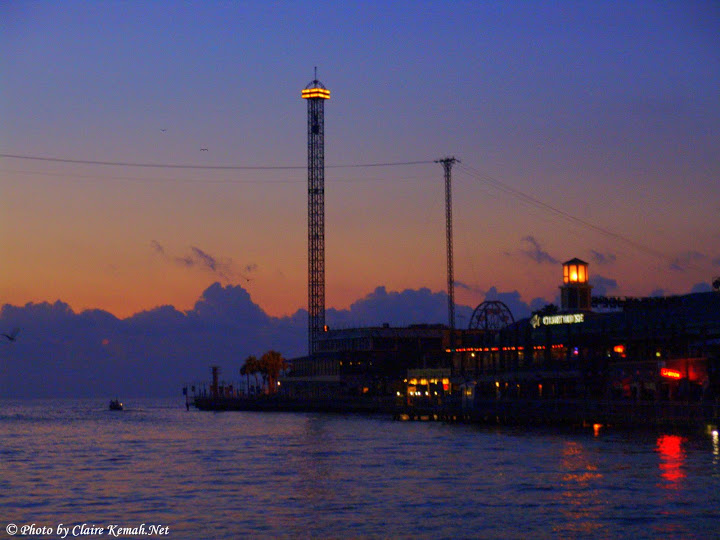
423	382
413	382
312	93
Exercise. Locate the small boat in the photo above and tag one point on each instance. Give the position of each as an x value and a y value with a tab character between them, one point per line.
116	405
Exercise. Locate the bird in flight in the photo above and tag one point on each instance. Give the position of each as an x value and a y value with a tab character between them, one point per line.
203	149
163	130
12	336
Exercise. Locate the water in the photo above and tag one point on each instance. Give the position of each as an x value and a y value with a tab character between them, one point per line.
277	475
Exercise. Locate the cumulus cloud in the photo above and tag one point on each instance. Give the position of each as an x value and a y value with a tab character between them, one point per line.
602	285
512	300
701	288
535	252
155	352
61	353
397	308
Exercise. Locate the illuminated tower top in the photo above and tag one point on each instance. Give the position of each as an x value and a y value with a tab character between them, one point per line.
315	90
576	289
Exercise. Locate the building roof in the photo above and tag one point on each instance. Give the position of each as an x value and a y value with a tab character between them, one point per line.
575	261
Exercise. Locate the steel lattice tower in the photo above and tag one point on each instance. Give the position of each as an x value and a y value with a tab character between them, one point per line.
447	164
316	94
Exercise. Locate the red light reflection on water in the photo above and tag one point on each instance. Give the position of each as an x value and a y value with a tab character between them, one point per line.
672	457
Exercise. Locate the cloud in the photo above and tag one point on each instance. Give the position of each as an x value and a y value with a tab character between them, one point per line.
536	253
701	288
536	304
602	285
512	300
467	287
687	259
398	308
61	353
602	258
157	351
157	247
658	292
201	259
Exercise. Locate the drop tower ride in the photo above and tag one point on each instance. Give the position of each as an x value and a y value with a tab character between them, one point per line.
315	93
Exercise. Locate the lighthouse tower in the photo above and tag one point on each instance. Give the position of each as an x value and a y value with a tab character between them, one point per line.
575	292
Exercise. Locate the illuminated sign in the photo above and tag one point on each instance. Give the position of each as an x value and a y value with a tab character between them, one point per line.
670	373
549	320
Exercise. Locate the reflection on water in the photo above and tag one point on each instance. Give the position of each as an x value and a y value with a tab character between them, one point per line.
580	483
232	475
672	457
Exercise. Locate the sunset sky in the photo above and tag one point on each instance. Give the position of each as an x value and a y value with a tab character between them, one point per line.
584	129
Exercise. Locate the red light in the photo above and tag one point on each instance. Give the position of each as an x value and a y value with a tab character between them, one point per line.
670	373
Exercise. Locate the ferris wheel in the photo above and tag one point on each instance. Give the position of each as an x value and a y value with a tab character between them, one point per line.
491	316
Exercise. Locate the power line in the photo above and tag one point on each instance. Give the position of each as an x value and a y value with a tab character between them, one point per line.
151	180
565	215
205	167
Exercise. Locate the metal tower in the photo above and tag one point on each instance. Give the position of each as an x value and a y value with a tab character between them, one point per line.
447	164
316	94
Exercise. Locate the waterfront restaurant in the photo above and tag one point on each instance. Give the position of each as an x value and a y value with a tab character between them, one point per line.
627	350
368	362
640	349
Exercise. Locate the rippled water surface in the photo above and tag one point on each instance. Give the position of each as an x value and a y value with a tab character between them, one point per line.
270	475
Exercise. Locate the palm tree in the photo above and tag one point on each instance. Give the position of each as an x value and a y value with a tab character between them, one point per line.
272	364
250	367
